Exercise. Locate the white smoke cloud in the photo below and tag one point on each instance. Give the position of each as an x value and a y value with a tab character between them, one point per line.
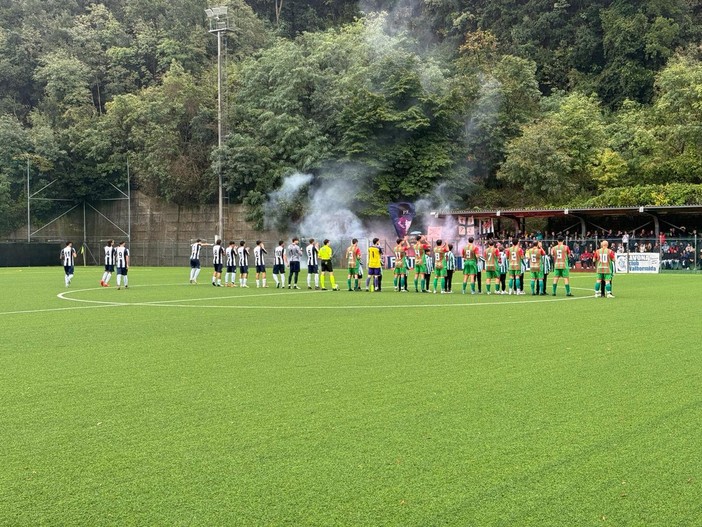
329	213
324	206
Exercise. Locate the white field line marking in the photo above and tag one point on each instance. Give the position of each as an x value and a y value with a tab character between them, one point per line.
385	306
94	304
48	310
172	303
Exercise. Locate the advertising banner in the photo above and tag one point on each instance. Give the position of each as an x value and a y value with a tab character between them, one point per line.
644	263
620	263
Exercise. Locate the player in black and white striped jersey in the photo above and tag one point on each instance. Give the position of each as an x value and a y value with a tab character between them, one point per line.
259	260
109	251
243	255
68	258
279	259
122	261
312	251
195	259
231	265
218	263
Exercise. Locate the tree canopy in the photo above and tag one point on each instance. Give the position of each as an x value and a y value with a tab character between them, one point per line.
527	103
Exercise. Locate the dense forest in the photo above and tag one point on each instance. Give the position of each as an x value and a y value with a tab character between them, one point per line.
471	102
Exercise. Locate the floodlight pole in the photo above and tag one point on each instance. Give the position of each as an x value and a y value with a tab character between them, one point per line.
29	215
219	24
219	133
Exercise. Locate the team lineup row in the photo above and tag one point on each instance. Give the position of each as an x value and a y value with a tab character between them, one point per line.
498	262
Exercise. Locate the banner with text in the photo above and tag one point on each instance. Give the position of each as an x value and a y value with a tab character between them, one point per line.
644	262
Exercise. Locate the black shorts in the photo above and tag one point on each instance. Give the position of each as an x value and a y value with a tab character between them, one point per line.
243	269
279	269
260	268
374	271
218	268
327	266
68	269
122	271
109	268
194	264
313	269
231	268
294	267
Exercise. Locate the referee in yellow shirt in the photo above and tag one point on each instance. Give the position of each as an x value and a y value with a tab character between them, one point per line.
325	259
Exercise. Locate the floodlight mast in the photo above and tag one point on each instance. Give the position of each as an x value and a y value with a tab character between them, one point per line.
219	25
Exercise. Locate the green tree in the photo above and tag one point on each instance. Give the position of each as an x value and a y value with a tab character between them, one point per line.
557	155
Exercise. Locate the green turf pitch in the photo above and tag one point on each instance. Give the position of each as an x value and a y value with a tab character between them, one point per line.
172	404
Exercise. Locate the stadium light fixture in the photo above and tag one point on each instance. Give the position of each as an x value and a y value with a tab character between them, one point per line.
219	25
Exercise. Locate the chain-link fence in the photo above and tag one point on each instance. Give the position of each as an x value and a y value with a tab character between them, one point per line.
673	254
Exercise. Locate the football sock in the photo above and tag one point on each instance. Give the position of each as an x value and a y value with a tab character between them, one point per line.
472	287
567	289
332	280
443	283
554	288
322	281
316	280
532	287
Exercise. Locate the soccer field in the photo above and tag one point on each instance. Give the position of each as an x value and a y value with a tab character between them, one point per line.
173	404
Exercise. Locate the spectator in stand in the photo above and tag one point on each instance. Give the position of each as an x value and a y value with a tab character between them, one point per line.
586	259
625	241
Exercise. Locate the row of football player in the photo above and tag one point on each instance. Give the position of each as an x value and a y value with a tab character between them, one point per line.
496	261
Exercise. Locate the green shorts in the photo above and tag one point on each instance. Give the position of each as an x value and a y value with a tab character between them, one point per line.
420	269
565	273
440	272
603	276
470	267
353	271
513	272
400	270
492	275
536	275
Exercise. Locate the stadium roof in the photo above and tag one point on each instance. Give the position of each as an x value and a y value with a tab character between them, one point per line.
588	211
581	214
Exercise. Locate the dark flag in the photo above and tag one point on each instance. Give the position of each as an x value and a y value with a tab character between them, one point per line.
401	215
